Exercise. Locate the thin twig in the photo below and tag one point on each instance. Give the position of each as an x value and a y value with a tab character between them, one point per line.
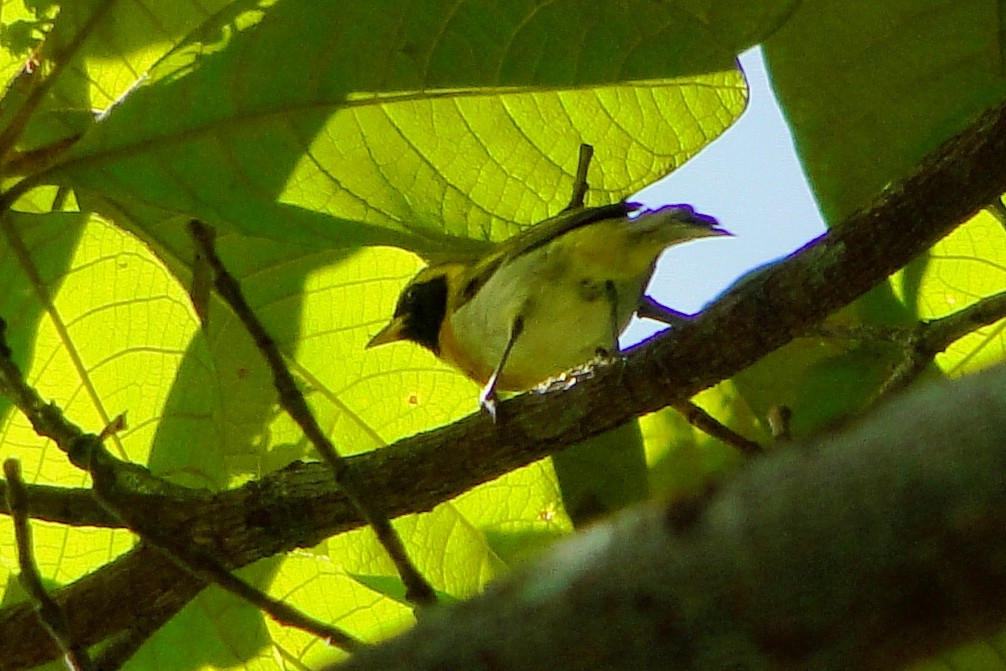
40	86
932	337
47	421
417	590
779	422
857	333
580	186
939	334
72	506
706	423
43	293
49	612
28	162
649	308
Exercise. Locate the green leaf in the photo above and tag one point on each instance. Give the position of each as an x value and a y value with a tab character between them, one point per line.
602	475
95	51
398	124
683	460
964	267
869	89
216	629
519	513
445	546
316	585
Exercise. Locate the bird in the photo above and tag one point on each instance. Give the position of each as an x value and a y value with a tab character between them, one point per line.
547	300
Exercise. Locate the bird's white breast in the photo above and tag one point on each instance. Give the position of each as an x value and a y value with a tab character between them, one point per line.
567	317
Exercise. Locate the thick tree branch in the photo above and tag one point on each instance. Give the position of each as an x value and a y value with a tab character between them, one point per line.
871	550
296	507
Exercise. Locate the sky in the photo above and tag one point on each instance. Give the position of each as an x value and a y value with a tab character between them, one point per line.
750	179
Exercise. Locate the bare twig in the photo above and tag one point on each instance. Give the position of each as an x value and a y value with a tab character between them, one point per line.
580	186
23	163
941	333
858	333
997	210
649	308
706	423
49	612
778	418
204	567
72	506
47	421
932	337
417	590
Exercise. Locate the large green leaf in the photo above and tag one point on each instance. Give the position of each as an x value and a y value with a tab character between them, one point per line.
398	123
871	88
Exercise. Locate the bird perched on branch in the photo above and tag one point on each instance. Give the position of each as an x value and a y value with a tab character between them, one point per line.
546	300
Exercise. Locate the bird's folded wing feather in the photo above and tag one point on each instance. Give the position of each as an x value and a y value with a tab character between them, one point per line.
535	237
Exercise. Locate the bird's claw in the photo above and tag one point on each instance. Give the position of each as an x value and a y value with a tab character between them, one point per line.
488	401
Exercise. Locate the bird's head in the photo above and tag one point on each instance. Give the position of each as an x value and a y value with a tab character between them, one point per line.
421	309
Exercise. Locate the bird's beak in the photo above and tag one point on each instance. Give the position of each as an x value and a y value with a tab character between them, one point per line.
390	333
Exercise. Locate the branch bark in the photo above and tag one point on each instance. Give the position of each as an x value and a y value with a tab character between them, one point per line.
296	507
868	551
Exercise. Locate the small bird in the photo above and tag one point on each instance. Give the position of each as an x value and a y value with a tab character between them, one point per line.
546	300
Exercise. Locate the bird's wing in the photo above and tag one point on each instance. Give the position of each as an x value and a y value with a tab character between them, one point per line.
534	237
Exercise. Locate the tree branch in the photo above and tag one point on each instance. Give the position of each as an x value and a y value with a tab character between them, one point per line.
870	550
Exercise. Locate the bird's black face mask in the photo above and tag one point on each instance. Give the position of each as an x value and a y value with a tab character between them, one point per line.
423	308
